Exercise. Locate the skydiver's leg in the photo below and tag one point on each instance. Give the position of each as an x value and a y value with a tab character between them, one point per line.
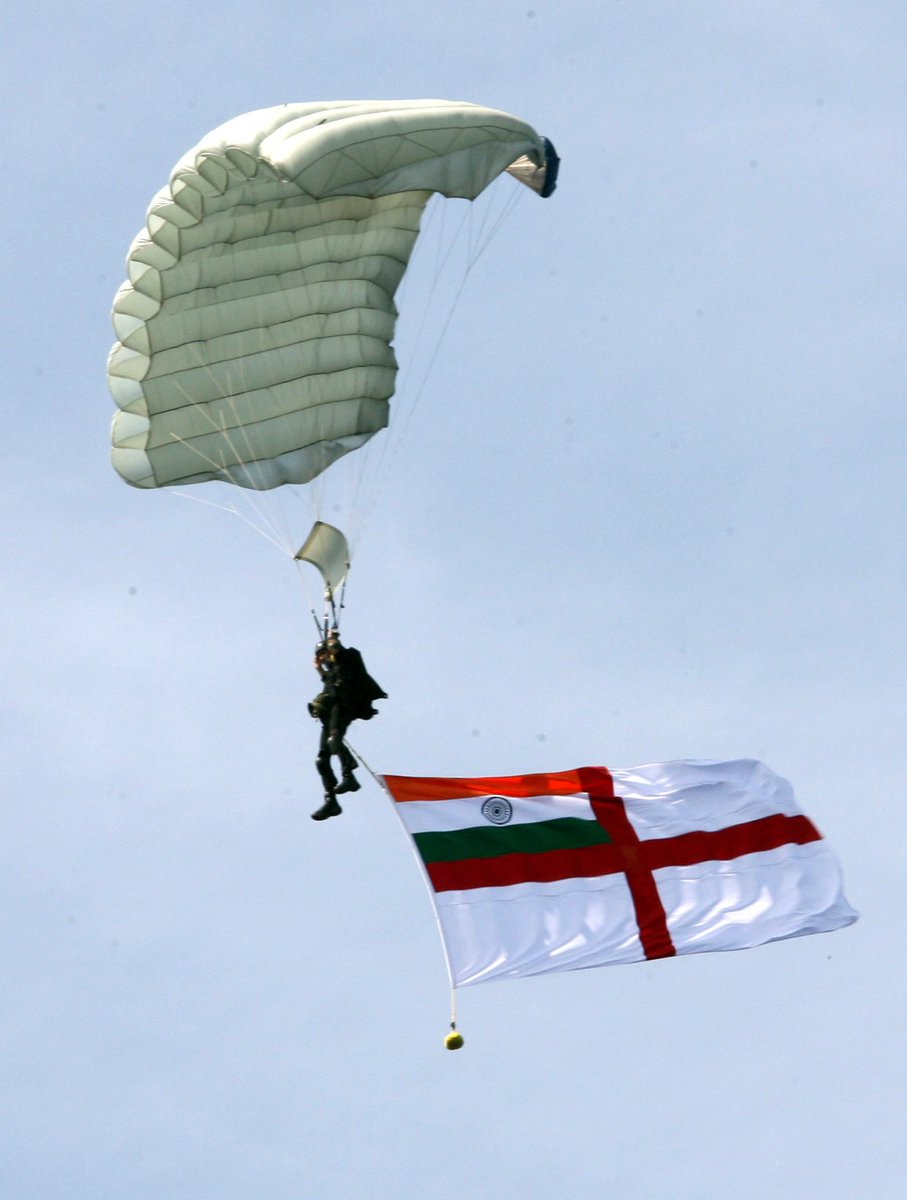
348	761
330	807
323	761
348	764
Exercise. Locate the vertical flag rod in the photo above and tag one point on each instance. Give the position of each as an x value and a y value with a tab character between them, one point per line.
454	1039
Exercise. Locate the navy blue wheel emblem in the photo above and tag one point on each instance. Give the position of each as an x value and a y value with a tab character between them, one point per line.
497	810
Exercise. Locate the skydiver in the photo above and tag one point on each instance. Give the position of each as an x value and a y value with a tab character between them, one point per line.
347	695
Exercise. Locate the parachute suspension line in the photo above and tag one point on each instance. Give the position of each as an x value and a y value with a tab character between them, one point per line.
491	225
264	526
378	455
447	246
234	511
440	266
276	523
383	451
273	528
476	247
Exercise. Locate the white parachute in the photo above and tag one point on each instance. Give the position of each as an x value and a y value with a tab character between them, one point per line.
255	327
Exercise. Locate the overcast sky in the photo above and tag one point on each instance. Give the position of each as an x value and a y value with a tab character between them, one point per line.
649	504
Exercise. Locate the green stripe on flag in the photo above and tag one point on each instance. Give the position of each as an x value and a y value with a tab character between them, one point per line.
564	833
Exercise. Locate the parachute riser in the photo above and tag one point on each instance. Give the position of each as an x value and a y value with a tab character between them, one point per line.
332	609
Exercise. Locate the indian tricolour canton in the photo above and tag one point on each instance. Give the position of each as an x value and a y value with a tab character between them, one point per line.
582	868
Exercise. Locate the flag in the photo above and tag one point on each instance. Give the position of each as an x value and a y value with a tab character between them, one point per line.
583	868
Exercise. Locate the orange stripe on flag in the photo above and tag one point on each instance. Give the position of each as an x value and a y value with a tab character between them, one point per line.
406	788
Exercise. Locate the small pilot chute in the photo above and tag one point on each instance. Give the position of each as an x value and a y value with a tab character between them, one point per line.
326	548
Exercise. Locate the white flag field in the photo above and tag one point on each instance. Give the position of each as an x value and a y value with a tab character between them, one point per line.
554	872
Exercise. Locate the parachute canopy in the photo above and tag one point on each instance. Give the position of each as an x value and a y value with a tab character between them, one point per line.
255	325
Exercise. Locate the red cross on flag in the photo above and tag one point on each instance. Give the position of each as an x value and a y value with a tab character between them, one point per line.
538	873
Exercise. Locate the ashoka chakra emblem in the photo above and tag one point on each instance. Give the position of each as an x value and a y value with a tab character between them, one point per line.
497	810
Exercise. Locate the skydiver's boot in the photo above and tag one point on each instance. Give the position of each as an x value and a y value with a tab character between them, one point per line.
349	783
330	808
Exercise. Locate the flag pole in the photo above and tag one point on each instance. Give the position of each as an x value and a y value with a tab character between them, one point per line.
454	1039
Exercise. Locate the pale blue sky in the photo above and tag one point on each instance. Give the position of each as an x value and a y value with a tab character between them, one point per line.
649	506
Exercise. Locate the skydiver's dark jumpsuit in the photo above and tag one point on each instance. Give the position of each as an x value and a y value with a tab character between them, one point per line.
335	720
346	697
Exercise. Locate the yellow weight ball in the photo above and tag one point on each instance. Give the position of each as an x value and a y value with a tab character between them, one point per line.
453	1041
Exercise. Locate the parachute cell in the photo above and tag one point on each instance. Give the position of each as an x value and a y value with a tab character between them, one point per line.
255	327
